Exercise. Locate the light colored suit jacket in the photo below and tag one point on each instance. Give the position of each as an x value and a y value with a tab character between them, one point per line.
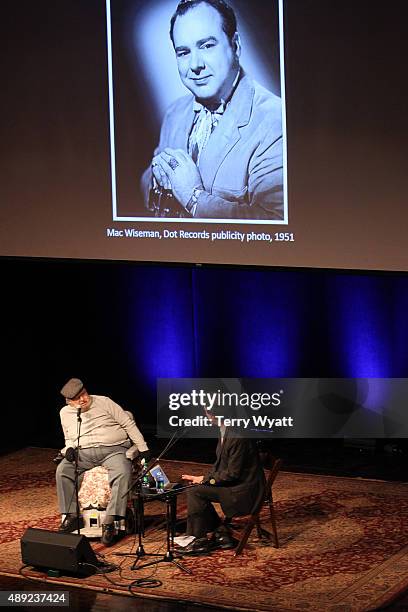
242	164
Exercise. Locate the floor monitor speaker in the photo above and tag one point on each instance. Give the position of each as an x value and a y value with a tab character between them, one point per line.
68	552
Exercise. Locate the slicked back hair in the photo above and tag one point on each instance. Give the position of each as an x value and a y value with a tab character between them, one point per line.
229	21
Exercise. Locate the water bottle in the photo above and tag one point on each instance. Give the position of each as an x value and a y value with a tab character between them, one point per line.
145	482
159	481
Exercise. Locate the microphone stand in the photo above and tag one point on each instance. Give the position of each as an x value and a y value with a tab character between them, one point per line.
138	507
76	455
171	511
170	497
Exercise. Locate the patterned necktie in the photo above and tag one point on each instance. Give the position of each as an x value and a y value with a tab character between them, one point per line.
204	124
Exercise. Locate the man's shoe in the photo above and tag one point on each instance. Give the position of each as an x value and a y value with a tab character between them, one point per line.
199	546
224	540
108	534
70	523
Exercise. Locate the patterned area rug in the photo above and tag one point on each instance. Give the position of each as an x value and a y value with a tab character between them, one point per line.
344	543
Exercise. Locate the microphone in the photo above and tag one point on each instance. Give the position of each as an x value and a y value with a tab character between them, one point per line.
70	454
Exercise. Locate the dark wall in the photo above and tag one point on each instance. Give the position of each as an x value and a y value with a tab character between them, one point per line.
120	326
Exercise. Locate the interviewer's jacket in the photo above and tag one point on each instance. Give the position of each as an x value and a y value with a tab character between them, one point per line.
238	474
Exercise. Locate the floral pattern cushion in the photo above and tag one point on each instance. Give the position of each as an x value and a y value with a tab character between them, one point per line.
95	490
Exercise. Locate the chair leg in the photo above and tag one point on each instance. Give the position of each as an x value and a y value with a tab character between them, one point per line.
273	521
245	536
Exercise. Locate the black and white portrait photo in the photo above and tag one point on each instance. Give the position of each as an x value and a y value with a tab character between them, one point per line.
197	111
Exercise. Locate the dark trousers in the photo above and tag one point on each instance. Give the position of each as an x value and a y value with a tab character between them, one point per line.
201	515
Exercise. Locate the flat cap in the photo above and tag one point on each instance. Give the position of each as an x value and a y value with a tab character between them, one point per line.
72	388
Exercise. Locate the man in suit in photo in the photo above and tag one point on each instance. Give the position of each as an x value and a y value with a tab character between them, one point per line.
220	150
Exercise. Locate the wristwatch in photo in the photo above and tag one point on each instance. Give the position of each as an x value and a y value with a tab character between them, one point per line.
192	203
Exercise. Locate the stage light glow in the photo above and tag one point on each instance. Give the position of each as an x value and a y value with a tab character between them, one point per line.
265	326
159	319
359	327
269	326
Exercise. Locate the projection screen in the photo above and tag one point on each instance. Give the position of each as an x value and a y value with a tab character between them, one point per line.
132	132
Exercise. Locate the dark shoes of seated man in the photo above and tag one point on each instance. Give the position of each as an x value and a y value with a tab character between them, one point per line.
108	534
224	539
70	523
221	539
109	531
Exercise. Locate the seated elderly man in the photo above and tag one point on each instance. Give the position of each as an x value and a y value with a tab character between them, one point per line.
106	435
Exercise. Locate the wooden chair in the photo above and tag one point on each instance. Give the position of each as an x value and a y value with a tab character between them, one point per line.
273	464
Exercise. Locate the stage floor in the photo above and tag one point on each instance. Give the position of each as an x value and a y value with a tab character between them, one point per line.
344	545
